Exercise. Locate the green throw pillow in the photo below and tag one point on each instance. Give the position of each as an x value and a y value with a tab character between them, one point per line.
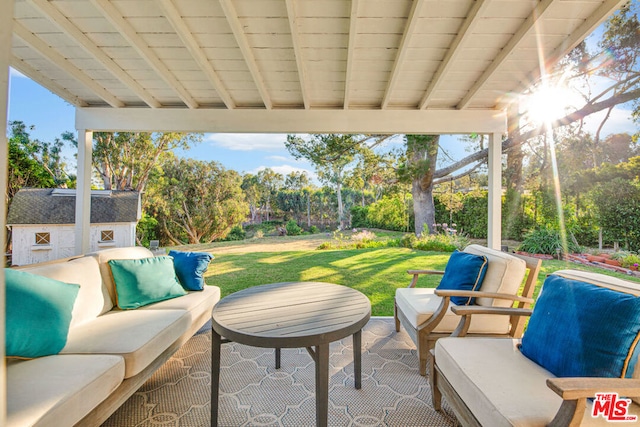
38	314
144	281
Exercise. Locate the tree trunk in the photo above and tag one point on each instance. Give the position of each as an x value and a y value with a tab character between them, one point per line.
340	205
422	153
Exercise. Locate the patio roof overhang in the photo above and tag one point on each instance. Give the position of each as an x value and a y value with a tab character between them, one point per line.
335	66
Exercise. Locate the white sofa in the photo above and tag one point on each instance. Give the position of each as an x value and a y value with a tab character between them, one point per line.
490	382
109	352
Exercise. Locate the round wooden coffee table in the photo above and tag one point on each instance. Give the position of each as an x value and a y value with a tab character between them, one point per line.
291	315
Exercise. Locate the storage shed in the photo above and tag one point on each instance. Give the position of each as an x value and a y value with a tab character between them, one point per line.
42	222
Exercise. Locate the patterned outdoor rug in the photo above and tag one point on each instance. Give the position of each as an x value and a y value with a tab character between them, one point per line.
254	393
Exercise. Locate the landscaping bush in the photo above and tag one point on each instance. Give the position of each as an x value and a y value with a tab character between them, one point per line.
435	242
547	240
236	233
359	216
314	230
292	228
388	213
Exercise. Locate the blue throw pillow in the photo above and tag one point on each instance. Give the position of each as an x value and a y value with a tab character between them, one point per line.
190	268
464	272
144	281
38	314
582	330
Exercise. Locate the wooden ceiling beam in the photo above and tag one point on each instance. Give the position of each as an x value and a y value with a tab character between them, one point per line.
64	64
46	82
412	21
525	29
128	32
183	31
67	27
236	27
353	32
454	50
297	50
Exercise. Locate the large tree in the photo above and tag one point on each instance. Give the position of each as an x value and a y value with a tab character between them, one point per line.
198	202
124	160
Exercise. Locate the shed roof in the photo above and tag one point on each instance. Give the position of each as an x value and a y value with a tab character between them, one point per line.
54	206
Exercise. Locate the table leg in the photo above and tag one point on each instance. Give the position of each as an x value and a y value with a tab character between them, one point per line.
216	341
357	359
278	354
322	384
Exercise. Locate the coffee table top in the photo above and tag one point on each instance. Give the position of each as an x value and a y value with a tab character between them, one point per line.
291	314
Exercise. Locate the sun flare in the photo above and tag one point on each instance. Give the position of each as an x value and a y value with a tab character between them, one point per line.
548	104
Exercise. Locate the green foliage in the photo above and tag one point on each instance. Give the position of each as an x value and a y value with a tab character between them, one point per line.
617	206
435	242
292	228
147	229
236	233
198	201
631	260
314	230
359	240
359	216
388	213
547	240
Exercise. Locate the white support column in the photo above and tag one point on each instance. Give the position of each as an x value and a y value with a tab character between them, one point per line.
83	191
6	22
494	231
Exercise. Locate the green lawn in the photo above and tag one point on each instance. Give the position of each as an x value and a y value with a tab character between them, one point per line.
375	272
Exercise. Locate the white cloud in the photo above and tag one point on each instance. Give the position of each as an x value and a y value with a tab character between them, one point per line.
247	141
279	158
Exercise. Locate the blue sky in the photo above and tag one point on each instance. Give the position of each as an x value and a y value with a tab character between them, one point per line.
51	116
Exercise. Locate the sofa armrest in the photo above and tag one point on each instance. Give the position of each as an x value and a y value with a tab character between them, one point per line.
576	391
417	273
466	311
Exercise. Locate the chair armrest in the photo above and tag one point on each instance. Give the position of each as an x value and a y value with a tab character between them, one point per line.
466	311
481	294
576	391
416	274
578	388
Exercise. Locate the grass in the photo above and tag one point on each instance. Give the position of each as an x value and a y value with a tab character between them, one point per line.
377	273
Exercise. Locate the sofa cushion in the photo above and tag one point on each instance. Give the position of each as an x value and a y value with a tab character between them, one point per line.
59	390
144	281
579	329
464	272
190	268
93	297
38	314
419	304
504	274
198	303
103	257
139	336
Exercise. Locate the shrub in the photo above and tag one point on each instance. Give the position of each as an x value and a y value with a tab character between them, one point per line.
631	260
547	241
363	236
259	234
314	230
435	242
388	213
236	233
359	216
292	228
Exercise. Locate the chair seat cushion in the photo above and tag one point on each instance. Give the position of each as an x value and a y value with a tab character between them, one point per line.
579	329
464	272
419	304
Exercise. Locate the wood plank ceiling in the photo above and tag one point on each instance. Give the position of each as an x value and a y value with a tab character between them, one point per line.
296	54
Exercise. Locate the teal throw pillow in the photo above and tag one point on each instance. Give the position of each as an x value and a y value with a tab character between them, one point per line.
38	314
190	268
578	329
464	272
144	281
